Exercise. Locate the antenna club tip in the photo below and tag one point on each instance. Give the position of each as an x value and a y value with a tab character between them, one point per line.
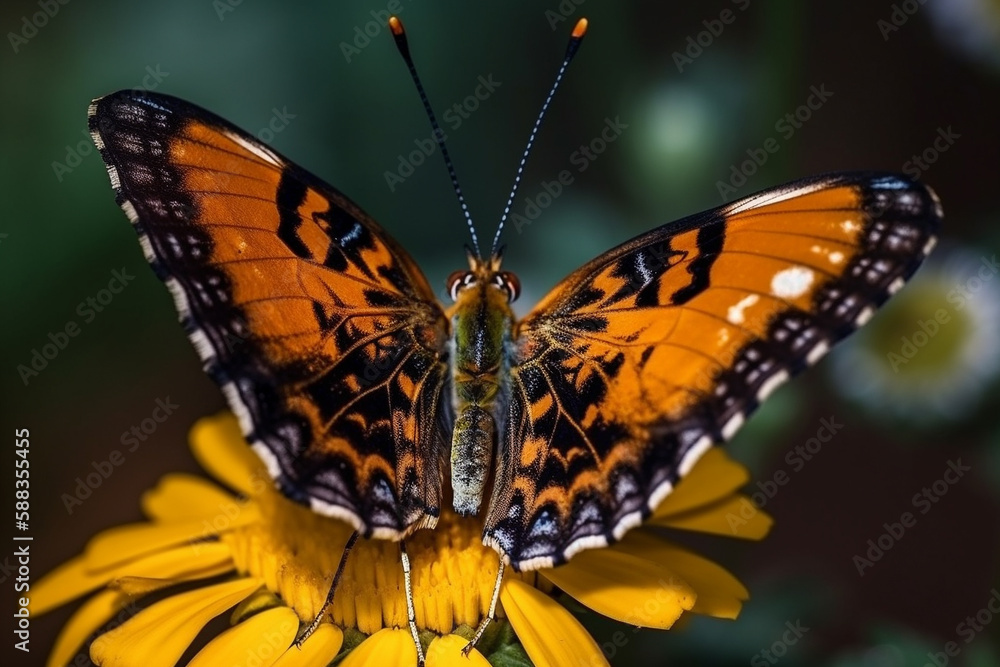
580	29
396	26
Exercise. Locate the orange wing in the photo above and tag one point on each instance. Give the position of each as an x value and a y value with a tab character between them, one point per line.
323	334
637	363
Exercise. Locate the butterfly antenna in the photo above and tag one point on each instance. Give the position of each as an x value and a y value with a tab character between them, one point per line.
574	44
399	34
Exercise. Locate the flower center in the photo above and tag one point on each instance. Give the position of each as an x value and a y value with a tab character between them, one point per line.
296	552
928	344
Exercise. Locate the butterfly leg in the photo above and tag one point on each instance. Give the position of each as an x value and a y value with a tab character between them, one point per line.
333	589
485	623
411	616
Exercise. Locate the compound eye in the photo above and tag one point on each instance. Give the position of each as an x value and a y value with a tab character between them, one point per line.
509	283
457	281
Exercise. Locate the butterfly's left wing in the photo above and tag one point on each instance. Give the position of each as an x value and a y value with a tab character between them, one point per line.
322	332
637	363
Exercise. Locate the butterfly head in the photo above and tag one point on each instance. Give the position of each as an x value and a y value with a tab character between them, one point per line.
484	277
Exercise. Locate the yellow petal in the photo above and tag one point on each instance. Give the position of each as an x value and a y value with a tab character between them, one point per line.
719	593
388	646
714	477
551	636
179	496
625	587
218	445
159	635
260	640
138	587
72	579
734	517
124	543
260	600
93	614
447	652
317	651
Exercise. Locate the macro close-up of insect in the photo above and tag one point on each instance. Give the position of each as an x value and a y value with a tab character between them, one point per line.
519	454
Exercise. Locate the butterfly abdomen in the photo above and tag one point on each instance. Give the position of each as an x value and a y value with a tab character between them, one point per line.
471	455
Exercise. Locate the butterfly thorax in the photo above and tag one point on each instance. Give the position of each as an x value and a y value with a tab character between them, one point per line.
481	322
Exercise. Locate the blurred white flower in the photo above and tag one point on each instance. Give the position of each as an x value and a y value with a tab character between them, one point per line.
971	26
933	349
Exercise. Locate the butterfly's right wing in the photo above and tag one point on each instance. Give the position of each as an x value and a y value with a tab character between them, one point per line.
638	362
323	334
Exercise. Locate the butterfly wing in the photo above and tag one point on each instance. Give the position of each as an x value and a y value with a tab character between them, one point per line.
321	330
632	367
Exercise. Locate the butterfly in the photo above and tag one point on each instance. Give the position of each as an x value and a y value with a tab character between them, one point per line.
371	402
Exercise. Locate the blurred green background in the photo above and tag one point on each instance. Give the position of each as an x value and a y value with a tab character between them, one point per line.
902	76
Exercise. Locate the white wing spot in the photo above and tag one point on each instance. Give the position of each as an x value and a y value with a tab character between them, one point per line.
835	256
863	317
628	522
260	151
850	226
792	282
732	426
931	242
588	542
818	352
770	384
691	457
269	459
659	494
116	182
736	315
537	563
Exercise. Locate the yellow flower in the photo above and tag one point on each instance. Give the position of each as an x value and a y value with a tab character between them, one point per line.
268	562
